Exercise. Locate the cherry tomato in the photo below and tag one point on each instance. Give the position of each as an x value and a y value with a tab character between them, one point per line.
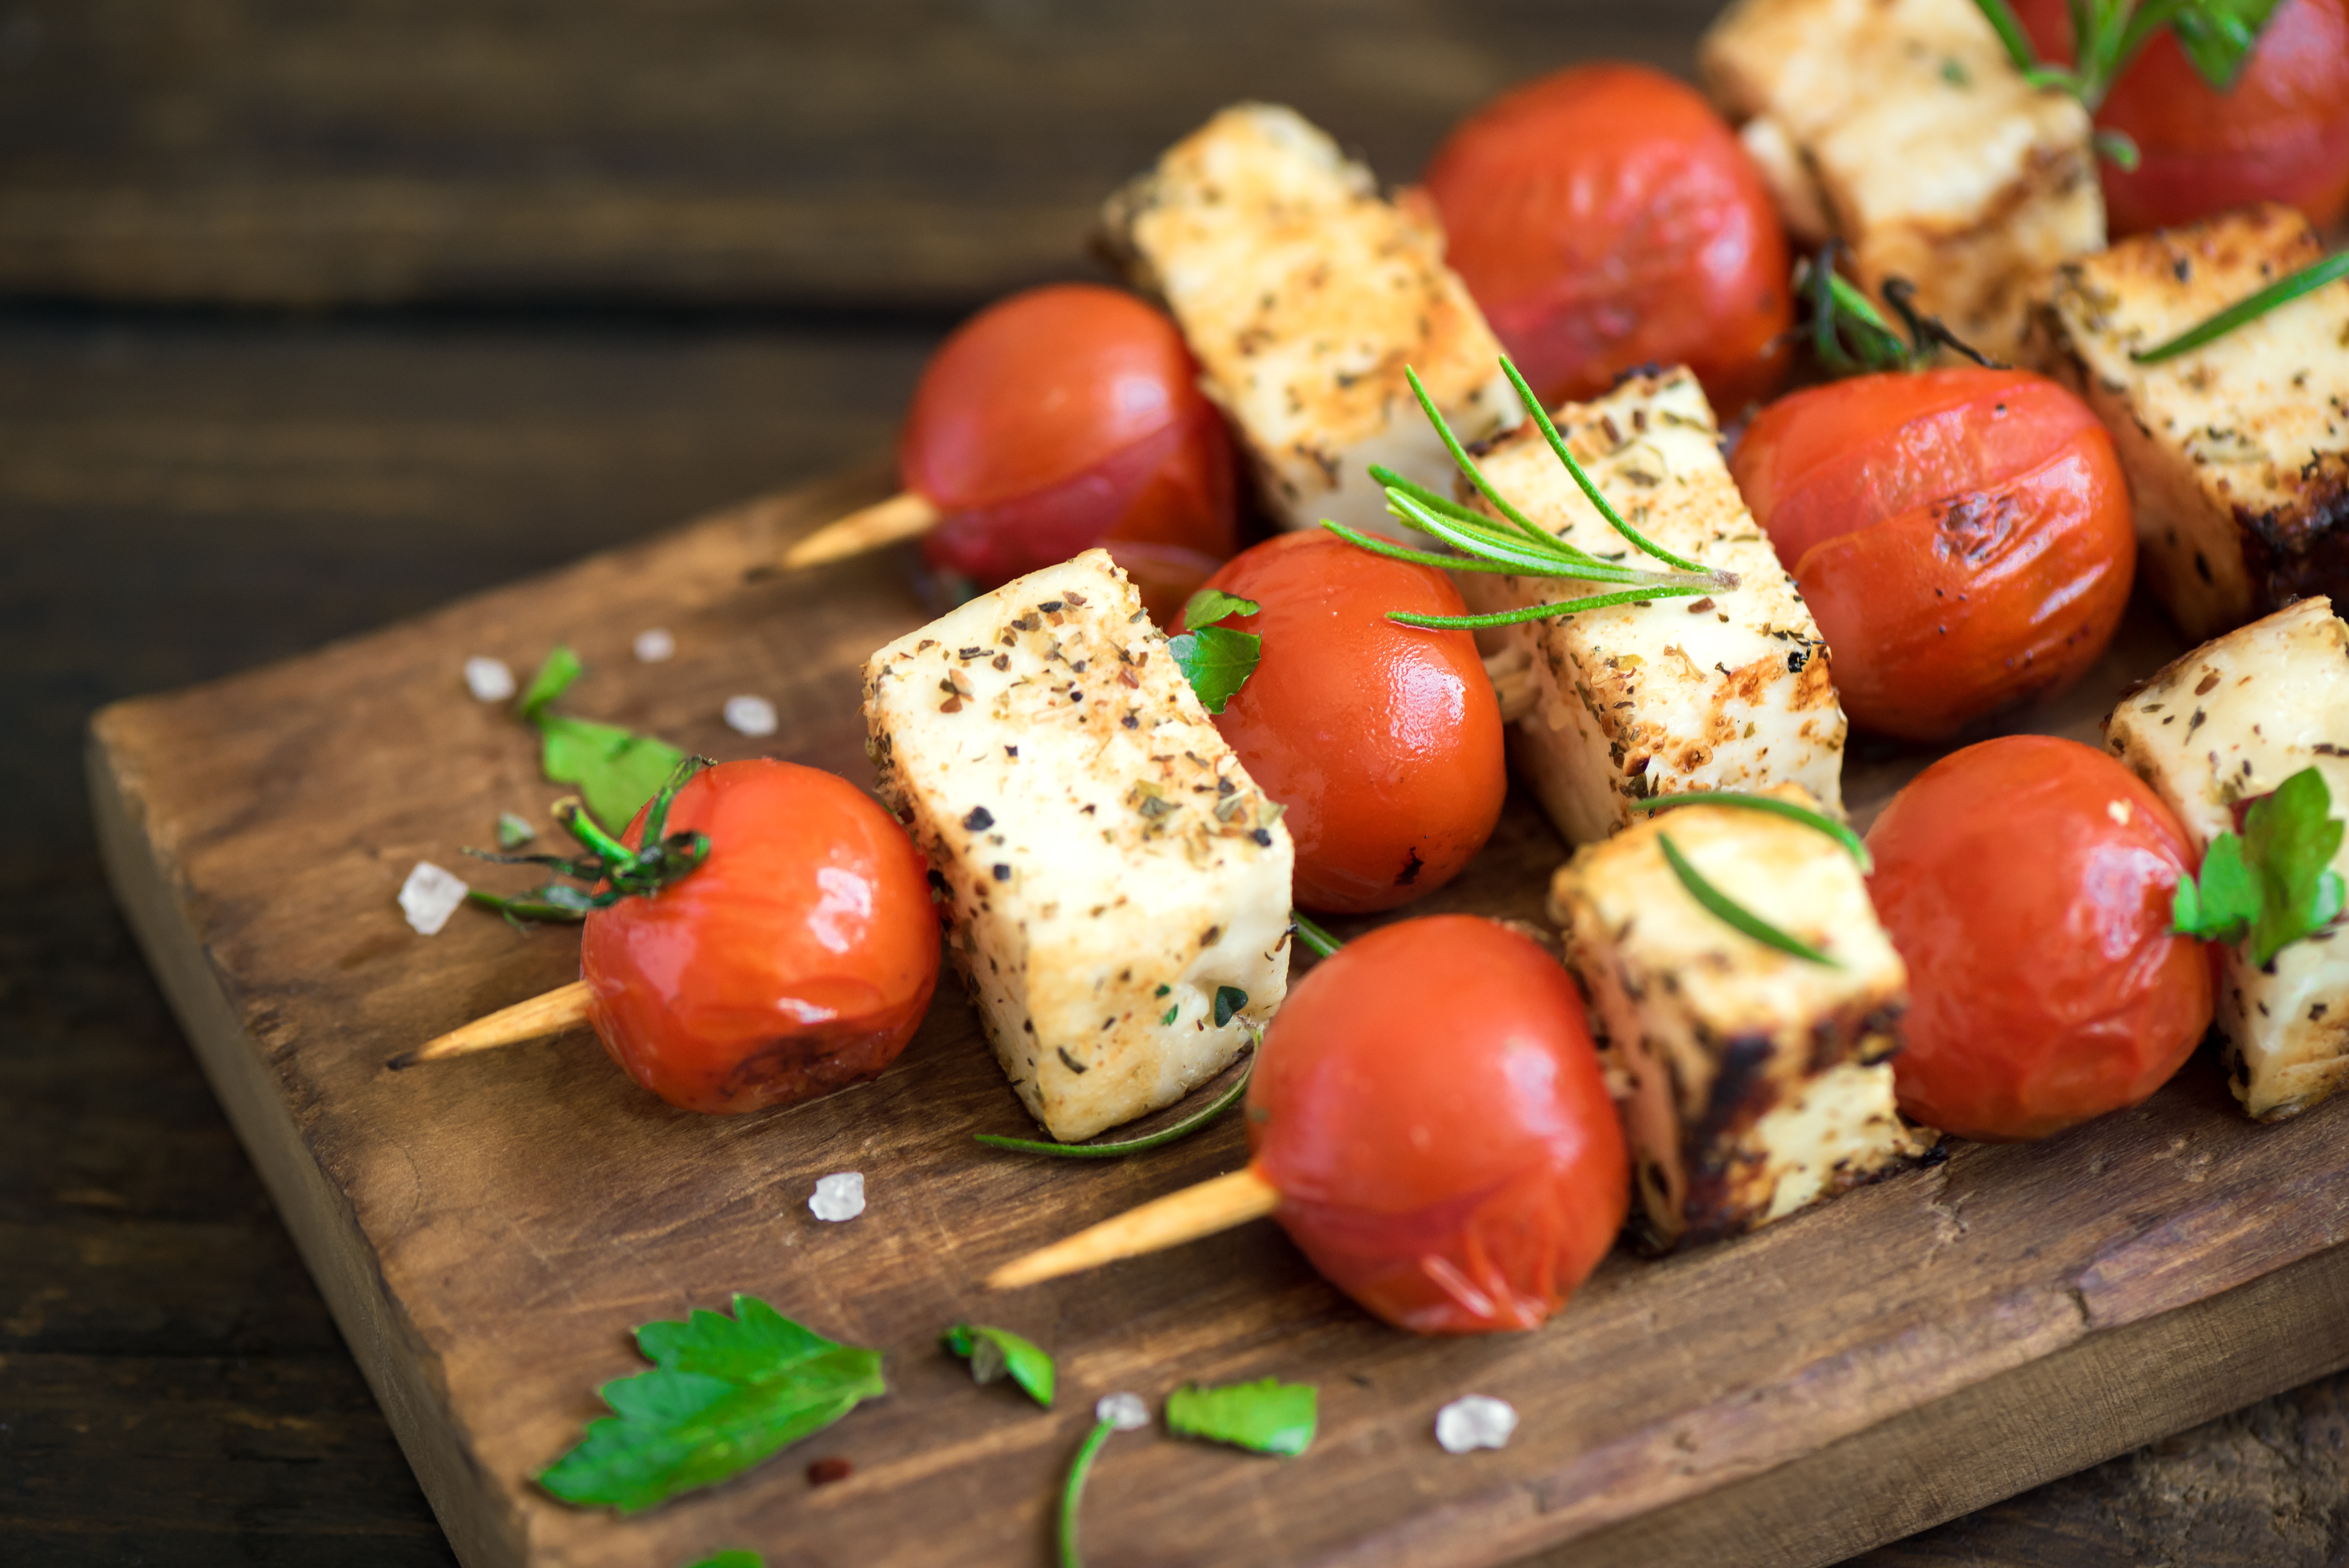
1062	419
1429	1107
1384	741
2026	882
797	959
1962	536
2279	134
1605	217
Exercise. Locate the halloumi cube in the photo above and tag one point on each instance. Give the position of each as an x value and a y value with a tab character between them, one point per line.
1731	691
1758	1082
2237	453
1116	887
2229	722
1304	294
1901	127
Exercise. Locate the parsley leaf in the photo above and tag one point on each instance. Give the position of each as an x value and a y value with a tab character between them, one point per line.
1209	605
725	1393
2275	882
616	769
1216	661
1268	1416
995	1352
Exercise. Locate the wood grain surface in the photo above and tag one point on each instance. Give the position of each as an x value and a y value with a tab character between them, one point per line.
487	1229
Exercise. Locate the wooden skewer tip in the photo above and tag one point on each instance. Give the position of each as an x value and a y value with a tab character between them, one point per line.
1186	1216
902	516
562	1008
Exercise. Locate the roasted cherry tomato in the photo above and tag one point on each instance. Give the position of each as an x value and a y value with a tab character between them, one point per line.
797	959
1067	417
1429	1108
1962	536
2026	882
1384	741
1605	218
2279	134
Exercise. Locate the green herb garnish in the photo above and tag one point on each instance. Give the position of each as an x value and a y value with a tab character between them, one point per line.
1229	1000
616	770
1522	548
609	870
1313	936
2275	883
1268	1416
1073	1492
737	1558
1122	1147
2283	292
2107	34
1850	335
1216	660
725	1393
996	1353
1731	912
1772	805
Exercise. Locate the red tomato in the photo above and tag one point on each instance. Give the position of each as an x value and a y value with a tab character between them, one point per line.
1062	419
2026	882
799	958
1430	1109
1962	536
1384	741
1605	217
2280	133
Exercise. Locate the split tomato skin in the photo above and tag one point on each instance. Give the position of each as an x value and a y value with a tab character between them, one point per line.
2279	134
1963	538
1429	1107
799	958
1384	741
2026	882
1606	217
1065	418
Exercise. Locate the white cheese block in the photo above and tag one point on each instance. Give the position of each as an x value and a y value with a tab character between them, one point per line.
1731	693
1105	864
1304	295
1901	127
2236	453
2229	721
1757	1082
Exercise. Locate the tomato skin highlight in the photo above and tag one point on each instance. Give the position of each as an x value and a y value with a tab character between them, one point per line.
1431	1108
1384	741
1061	418
2281	134
1963	538
1605	217
799	958
2046	985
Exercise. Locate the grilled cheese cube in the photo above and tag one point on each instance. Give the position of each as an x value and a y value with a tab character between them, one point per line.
2229	721
1758	1082
1107	868
1901	127
2236	453
1303	295
1677	694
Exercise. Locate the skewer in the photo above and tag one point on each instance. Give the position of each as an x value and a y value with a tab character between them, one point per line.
1185	1216
562	1008
903	516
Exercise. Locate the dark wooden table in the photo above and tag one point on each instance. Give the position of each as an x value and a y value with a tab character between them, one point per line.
315	317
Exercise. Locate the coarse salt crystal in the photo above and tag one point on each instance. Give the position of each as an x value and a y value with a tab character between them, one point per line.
488	679
430	896
1126	1412
654	646
840	1196
750	716
1475	1421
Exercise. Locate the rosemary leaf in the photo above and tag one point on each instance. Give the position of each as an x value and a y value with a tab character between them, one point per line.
1543	612
1774	806
1313	936
1467	466
2284	291
1639	541
1183	1128
1733	913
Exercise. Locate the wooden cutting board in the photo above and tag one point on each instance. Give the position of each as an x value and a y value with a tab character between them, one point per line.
489	1230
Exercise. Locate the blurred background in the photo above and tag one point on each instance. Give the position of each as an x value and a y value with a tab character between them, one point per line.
316	315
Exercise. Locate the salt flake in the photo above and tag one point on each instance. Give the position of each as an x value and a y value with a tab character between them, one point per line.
840	1196
750	715
1126	1412
488	679
1475	1421
655	646
430	896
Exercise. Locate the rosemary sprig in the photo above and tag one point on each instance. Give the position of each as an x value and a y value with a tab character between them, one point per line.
1850	335
2281	291
1119	1149
621	871
2108	35
1851	841
1313	936
1731	912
